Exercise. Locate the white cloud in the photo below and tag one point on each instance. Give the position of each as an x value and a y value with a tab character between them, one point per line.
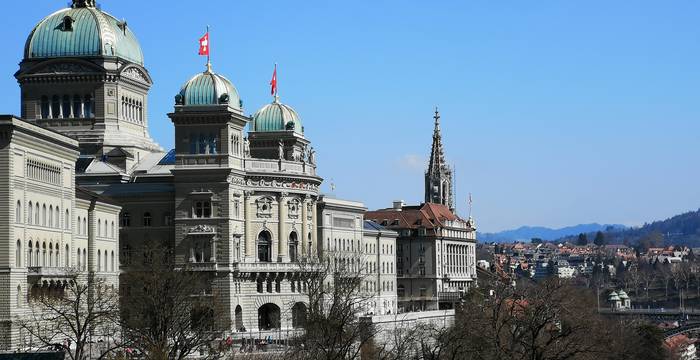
411	163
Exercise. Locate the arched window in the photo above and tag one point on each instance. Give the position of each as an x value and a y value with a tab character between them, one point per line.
67	259
202	148
105	268
88	113
67	226
112	262
30	212
212	144
36	214
57	218
112	230
66	106
43	255
50	263
18	212
80	263
50	215
293	246
18	254
43	215
147	219
55	107
265	246
85	226
79	232
45	108
193	143
99	260
99	227
77	106
29	254
84	259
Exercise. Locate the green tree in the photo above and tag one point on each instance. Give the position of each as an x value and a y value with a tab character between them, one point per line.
599	239
536	240
582	239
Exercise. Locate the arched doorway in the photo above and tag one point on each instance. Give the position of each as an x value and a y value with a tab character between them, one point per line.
238	318
293	246
269	317
265	246
299	315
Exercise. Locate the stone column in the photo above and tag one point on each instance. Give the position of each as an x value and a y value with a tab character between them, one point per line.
282	231
249	236
212	256
304	227
314	230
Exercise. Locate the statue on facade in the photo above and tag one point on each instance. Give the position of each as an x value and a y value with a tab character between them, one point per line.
281	150
246	147
312	156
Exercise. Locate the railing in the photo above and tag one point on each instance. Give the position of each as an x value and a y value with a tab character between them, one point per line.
50	271
268	165
267	267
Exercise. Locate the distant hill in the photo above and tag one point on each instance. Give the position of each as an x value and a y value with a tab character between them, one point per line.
683	229
525	233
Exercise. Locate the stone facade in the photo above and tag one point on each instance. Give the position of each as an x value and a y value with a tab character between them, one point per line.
361	246
50	230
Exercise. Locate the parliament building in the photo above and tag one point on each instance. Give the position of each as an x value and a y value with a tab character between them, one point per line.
84	189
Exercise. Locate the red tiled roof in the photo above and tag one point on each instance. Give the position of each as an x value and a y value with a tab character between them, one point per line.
427	215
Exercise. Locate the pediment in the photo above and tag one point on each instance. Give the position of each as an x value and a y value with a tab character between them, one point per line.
134	73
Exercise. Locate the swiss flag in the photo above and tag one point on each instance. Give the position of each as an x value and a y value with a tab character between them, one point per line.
273	82
204	45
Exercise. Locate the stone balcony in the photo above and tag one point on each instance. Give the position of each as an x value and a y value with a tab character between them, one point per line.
267	267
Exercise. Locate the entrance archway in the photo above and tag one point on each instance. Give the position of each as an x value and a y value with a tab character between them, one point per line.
269	317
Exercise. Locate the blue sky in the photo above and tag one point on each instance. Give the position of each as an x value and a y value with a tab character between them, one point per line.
553	112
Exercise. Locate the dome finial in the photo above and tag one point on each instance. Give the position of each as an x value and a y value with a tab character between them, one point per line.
83	3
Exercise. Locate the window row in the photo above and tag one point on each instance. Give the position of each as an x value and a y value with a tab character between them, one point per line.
40	215
39	170
132	110
203	143
103	261
43	255
371	286
147	219
102	230
67	107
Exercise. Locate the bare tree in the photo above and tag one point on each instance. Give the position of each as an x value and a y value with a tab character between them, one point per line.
72	314
168	310
333	327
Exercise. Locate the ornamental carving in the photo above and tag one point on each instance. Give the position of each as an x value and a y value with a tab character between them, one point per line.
264	206
62	68
294	207
135	74
201	229
292	185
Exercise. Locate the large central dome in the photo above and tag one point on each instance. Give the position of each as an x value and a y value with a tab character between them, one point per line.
82	30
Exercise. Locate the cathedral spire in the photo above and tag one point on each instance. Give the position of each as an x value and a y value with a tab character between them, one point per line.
438	177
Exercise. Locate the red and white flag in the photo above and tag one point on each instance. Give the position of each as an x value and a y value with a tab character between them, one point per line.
273	82
204	44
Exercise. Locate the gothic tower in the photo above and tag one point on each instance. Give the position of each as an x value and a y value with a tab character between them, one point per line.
438	177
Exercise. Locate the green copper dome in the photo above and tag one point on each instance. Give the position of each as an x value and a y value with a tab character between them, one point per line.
276	117
82	30
208	88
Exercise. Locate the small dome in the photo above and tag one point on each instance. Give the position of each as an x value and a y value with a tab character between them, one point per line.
622	294
613	296
277	117
208	88
82	30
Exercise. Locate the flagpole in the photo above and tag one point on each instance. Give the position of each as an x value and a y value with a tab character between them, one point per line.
209	49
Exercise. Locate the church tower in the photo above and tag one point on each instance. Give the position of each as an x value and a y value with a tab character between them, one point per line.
438	177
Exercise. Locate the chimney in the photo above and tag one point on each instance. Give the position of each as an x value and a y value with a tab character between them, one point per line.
398	205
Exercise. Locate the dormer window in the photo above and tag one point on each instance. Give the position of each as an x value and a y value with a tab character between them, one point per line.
67	24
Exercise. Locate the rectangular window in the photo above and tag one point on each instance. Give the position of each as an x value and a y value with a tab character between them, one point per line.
202	209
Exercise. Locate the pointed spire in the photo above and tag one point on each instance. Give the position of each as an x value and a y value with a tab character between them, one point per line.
439	185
